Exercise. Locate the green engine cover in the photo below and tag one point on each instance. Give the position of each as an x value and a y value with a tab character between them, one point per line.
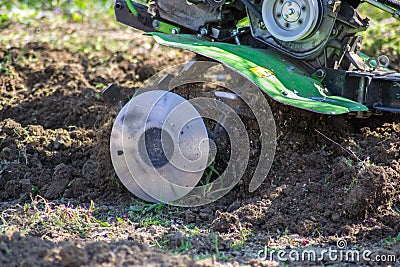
279	77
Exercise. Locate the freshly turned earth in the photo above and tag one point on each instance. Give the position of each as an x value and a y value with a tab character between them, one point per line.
333	177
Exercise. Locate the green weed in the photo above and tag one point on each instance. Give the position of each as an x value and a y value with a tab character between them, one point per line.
243	235
389	241
220	256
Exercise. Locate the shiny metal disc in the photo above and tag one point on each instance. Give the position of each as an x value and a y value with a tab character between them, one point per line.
118	159
159	146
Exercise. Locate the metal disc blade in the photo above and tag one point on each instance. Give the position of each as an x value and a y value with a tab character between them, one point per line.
165	146
119	162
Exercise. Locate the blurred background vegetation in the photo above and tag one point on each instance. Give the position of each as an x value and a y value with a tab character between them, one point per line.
76	10
381	38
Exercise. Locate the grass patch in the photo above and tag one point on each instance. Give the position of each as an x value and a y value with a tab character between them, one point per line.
53	221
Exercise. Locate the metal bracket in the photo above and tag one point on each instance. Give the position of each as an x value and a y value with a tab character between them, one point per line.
350	51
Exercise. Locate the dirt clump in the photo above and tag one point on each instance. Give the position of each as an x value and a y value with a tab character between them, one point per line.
19	250
371	190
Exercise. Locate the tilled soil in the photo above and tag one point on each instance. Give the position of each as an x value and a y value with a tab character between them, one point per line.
333	177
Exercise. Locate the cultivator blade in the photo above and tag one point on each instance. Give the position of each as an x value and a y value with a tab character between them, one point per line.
159	146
